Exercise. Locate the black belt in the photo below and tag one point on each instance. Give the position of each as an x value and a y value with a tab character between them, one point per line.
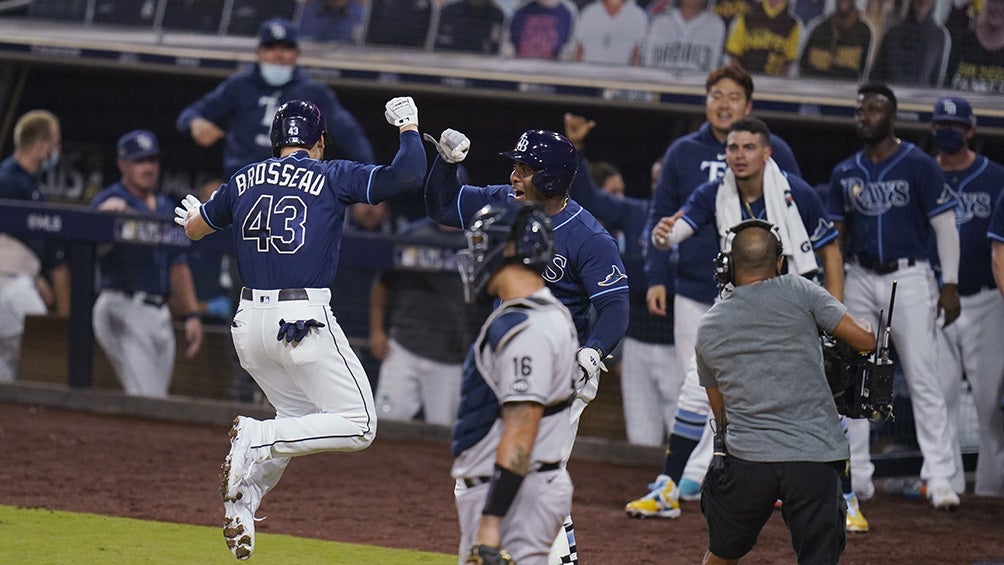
888	266
969	291
157	300
284	294
475	481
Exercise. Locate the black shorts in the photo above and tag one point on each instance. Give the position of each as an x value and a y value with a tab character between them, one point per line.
738	502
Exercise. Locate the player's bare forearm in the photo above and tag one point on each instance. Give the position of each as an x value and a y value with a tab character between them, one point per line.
489	530
183	290
378	310
833	269
997	261
61	289
948	302
197	228
717	403
520	421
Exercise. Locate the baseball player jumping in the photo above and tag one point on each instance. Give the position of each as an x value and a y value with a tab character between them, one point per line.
512	490
288	213
586	270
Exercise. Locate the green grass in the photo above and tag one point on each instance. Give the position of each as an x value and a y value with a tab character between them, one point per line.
39	536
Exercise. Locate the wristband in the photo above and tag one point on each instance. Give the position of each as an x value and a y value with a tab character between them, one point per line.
505	484
191	315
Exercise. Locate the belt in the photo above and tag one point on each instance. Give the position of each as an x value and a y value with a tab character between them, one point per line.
284	294
888	266
157	300
970	291
472	482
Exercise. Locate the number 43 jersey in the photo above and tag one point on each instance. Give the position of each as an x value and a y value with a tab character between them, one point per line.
287	215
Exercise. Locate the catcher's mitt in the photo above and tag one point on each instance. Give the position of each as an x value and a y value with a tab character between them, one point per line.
488	555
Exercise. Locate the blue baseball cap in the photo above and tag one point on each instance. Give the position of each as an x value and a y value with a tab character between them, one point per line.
277	30
953	109
137	144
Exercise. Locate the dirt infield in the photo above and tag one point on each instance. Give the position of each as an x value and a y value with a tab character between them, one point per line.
399	494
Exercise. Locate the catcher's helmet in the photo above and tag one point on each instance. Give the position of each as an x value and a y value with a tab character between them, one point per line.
296	123
551	155
491	229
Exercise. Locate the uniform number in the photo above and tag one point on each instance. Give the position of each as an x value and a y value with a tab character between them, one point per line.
522	366
279	226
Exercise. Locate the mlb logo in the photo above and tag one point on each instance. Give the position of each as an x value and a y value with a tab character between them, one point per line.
264	299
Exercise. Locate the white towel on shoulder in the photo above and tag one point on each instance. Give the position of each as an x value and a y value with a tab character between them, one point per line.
781	211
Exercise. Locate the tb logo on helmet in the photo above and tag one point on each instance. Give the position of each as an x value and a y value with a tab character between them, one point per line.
523	143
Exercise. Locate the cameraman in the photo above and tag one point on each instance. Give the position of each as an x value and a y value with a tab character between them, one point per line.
759	357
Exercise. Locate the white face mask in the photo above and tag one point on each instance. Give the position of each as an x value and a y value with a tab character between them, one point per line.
276	75
50	162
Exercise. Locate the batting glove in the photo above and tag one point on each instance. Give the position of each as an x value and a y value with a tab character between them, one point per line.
189	209
482	554
590	365
452	145
401	111
296	331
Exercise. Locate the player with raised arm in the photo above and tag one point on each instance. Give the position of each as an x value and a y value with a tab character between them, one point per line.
586	271
288	213
512	490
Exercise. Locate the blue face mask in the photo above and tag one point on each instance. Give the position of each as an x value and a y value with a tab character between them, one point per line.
50	162
948	139
276	75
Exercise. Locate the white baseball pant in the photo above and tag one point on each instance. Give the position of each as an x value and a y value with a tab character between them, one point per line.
138	339
409	382
18	298
693	398
972	344
914	334
650	384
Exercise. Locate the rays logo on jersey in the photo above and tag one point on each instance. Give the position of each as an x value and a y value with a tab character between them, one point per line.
614	276
822	227
556	270
973	205
875	198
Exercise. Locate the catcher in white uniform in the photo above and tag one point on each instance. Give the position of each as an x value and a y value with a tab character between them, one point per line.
513	427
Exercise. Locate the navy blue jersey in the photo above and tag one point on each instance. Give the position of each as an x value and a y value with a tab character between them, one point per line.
18	184
243	106
689	161
886	207
586	270
995	231
978	188
627	215
138	268
288	212
700	210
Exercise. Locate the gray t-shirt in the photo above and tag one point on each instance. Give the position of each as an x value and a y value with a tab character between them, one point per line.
760	347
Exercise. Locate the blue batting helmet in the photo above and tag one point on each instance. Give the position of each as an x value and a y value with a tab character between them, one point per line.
551	155
296	123
491	230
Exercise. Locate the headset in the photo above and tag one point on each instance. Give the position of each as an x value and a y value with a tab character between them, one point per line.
725	270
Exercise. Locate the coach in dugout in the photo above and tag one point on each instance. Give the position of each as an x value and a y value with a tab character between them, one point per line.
242	106
759	357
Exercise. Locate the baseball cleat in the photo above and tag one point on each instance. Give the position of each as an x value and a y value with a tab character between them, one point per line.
689	490
855	520
662	501
238	524
237	465
942	496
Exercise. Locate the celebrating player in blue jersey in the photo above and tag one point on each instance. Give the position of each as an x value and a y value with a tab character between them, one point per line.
689	161
886	201
288	213
586	270
972	343
241	107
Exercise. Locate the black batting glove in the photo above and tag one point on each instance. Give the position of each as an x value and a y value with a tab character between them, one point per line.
296	331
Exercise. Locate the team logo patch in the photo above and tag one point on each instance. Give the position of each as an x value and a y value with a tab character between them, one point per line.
556	269
822	227
875	198
615	276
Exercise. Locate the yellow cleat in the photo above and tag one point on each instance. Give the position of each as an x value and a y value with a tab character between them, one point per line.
855	521
663	501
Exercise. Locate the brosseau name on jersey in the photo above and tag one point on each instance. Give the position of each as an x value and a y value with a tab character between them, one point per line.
280	174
